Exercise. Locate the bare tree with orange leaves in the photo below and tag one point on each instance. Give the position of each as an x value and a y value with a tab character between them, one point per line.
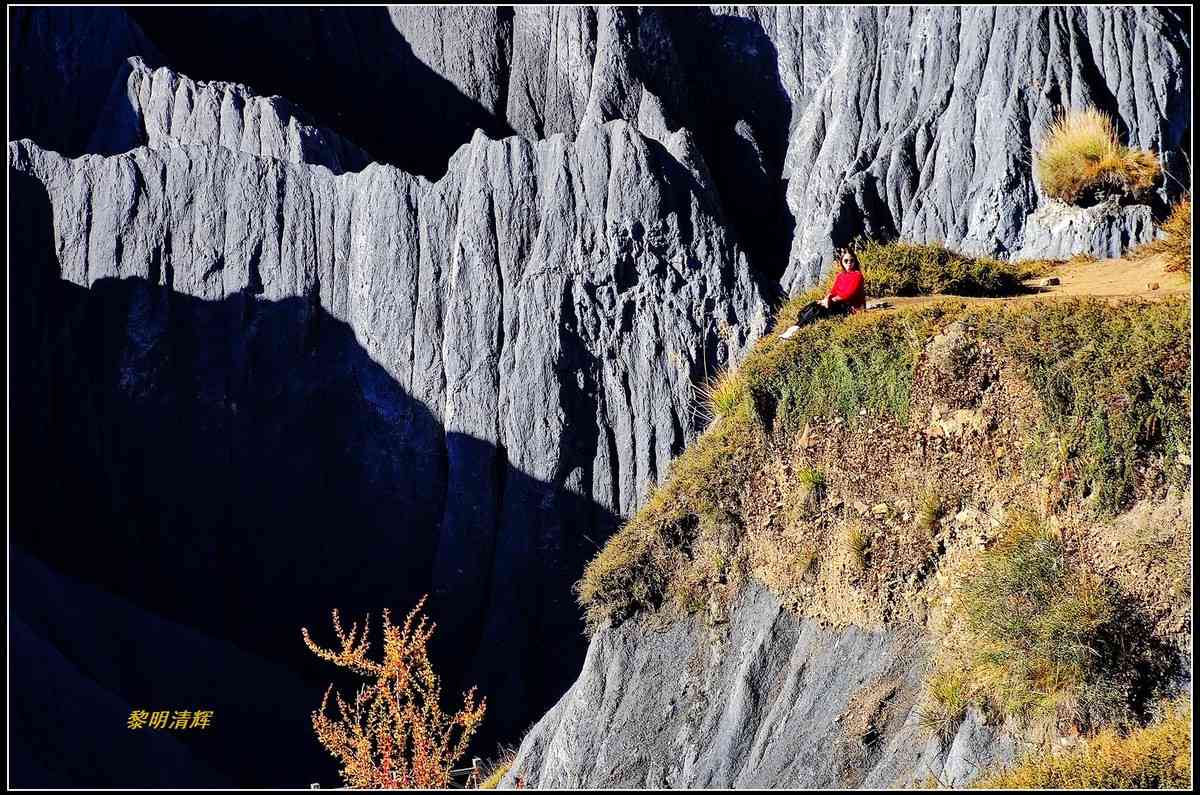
394	734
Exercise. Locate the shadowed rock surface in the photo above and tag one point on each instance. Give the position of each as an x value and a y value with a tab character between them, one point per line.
380	385
62	62
94	651
771	700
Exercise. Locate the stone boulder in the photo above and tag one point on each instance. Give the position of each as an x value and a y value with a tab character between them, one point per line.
1109	229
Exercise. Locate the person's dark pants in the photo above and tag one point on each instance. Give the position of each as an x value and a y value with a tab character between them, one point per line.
814	311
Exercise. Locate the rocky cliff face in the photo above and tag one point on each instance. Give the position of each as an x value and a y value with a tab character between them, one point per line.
816	124
819	124
339	306
767	700
924	126
466	381
159	108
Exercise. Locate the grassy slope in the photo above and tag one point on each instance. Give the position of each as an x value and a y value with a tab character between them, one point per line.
1157	756
1112	383
837	463
908	269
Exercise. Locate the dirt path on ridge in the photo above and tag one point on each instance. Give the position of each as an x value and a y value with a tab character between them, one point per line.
1143	277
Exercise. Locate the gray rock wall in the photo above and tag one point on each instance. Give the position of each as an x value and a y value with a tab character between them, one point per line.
767	701
816	124
159	108
925	123
510	353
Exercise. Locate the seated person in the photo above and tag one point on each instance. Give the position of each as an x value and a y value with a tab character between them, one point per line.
848	294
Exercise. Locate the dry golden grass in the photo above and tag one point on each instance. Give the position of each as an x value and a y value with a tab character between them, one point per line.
492	780
394	733
1080	158
855	543
1176	245
930	509
722	394
947	697
497	769
1158	756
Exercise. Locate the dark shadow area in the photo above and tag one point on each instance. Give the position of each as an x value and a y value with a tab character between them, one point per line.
193	481
1146	670
735	104
349	67
61	66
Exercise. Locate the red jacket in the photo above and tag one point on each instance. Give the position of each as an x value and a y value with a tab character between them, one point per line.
848	288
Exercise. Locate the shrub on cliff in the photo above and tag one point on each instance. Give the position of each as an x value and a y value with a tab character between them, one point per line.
1158	756
394	733
904	269
1176	243
1033	635
1080	160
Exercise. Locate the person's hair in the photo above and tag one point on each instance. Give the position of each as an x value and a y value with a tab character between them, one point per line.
854	266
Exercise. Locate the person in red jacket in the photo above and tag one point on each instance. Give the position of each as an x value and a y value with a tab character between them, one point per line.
848	294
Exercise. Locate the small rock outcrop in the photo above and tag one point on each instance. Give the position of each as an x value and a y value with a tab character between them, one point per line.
1108	229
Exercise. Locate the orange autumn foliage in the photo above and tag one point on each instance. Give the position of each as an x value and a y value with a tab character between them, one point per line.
394	734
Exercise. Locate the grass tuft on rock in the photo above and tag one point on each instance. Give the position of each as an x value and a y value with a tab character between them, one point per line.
930	509
810	478
855	541
722	394
947	698
1080	160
